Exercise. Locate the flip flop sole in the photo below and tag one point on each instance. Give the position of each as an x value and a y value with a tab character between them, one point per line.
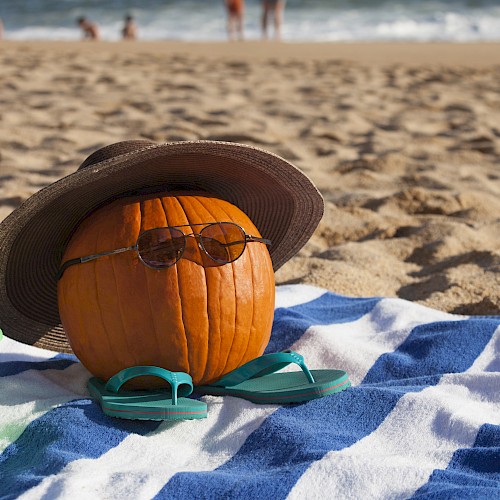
145	405
278	394
153	415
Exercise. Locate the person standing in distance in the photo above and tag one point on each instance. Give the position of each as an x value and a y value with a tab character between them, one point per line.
235	13
273	8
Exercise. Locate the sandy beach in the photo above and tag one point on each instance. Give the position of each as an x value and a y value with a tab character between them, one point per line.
402	140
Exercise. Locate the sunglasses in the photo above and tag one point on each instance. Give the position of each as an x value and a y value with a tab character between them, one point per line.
162	247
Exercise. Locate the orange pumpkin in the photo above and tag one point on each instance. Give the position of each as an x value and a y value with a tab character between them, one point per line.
201	319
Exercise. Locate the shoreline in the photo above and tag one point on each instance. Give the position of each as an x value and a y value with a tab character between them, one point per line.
466	54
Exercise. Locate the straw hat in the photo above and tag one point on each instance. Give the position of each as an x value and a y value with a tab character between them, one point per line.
279	199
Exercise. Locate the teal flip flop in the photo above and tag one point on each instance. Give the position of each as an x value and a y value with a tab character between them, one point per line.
258	382
158	404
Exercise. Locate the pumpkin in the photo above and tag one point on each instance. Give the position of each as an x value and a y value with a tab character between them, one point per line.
194	317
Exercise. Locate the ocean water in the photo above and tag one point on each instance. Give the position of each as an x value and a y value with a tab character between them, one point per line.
305	20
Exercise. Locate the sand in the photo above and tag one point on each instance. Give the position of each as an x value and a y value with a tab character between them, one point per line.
402	140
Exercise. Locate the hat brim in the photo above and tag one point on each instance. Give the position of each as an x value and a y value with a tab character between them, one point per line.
280	200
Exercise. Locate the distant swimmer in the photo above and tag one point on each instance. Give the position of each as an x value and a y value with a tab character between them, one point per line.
90	30
235	13
273	8
129	31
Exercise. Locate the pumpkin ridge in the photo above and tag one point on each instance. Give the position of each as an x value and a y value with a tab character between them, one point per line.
124	329
157	340
207	304
81	321
148	283
108	340
217	370
80	343
188	363
222	370
182	202
244	357
93	352
188	369
94	269
265	340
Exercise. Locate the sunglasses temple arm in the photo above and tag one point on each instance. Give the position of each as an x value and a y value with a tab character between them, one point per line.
65	266
88	258
260	240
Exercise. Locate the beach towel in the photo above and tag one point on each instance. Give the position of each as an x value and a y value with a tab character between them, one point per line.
421	419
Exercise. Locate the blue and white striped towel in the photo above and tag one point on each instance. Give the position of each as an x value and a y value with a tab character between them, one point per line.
422	418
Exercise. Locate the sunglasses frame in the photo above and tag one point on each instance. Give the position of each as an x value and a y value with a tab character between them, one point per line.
198	237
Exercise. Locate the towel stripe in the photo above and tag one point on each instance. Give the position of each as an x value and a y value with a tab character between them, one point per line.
29	394
415	438
473	473
328	309
489	361
10	350
442	347
49	443
295	447
11	368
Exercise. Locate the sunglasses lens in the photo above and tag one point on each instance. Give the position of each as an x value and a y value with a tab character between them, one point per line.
161	247
223	242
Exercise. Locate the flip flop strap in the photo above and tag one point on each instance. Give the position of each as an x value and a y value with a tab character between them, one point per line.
180	382
264	365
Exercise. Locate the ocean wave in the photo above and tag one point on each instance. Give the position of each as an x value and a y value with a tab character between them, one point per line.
311	20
